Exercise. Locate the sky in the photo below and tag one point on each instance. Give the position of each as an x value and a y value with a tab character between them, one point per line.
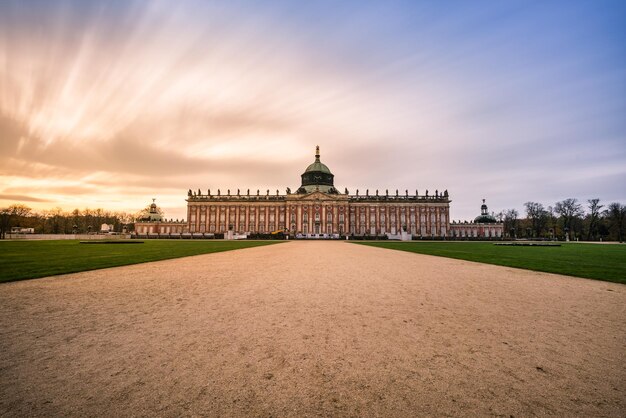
110	104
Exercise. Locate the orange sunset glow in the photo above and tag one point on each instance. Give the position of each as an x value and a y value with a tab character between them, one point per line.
110	105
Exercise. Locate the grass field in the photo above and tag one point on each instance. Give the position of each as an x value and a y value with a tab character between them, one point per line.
21	260
593	261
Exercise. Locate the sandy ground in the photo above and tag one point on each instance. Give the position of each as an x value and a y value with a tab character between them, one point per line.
312	329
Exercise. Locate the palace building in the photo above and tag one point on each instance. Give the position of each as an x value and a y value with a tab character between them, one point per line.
484	226
317	208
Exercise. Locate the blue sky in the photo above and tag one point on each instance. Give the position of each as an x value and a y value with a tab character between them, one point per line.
108	104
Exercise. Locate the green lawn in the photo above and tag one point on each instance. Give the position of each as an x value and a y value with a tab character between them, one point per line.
595	261
21	260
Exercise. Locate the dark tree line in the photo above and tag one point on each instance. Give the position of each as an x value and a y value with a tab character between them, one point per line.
57	221
567	219
592	221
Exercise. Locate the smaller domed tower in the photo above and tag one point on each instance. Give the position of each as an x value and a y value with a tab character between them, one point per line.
153	214
484	217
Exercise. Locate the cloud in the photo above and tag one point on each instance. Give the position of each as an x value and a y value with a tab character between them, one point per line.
21	198
111	104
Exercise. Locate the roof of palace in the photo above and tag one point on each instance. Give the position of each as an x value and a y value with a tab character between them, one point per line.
318	181
317	165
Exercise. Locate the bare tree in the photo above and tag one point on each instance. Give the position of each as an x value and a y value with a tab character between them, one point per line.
8	215
594	215
616	213
569	209
537	216
5	221
509	218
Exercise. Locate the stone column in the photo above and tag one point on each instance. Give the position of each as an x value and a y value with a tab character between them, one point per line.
298	218
237	223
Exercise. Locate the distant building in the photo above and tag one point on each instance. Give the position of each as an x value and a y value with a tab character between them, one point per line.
154	224
21	230
484	226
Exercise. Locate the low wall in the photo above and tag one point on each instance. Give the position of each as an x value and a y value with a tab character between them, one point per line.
64	236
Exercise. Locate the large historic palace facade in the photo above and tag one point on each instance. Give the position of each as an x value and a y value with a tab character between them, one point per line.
318	208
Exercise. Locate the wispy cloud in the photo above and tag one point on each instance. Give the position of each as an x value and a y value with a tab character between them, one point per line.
112	103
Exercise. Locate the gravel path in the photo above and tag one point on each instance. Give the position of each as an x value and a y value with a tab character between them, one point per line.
312	329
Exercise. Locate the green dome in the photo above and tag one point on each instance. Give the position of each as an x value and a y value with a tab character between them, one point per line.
485	219
318	166
317	177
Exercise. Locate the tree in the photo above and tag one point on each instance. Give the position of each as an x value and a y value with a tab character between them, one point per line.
537	216
569	210
8	215
616	213
509	218
594	215
57	220
5	222
551	213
